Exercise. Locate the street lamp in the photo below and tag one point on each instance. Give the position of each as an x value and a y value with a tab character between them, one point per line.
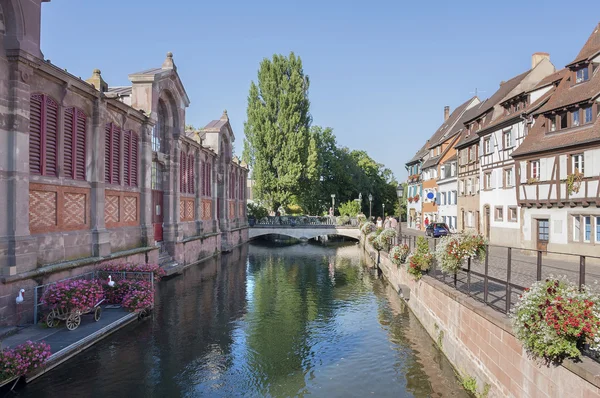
370	201
400	193
333	203
383	207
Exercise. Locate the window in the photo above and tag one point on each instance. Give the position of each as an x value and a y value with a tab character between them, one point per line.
469	186
112	148
443	172
432	154
461	187
535	169
130	158
453	170
577	162
576	228
74	143
597	229
499	213
476	184
587	115
43	135
587	228
508	143
156	176
512	214
582	75
191	174
552	123
508	178
487	145
207	178
487	180
563	120
470	219
575	118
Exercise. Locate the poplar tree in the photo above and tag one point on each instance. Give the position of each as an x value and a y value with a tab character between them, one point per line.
277	140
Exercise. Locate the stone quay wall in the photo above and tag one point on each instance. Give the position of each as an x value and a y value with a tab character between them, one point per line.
480	343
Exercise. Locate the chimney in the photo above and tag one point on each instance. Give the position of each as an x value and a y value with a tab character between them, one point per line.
536	58
446	112
97	81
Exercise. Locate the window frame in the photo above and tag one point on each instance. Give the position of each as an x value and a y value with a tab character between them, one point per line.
581	162
576	233
585	114
505	134
534	169
508	172
498	213
587	218
575	118
585	75
487	180
512	209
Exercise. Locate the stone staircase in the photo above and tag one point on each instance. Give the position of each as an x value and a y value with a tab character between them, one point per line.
168	264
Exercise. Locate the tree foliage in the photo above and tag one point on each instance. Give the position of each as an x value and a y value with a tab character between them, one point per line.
350	208
277	130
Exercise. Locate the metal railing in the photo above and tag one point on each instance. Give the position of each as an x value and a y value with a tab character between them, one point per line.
304	221
39	291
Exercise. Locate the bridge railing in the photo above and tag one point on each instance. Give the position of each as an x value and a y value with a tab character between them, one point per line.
304	221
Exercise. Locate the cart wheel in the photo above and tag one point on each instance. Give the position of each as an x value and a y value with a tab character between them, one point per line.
97	313
51	321
73	321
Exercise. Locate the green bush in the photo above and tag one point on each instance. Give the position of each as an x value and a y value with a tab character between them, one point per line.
257	211
350	208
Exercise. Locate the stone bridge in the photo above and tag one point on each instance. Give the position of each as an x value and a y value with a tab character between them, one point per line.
304	232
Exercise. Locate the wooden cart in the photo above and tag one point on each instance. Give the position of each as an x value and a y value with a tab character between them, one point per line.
72	318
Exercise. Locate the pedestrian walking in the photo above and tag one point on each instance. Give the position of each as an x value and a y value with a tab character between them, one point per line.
387	223
393	223
379	223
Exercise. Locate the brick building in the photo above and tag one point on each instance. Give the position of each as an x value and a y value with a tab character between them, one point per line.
92	173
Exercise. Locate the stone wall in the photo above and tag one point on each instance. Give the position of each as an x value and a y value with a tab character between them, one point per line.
479	342
11	314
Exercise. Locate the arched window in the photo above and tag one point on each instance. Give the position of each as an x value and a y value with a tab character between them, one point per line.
157	176
158	133
74	143
112	154
43	135
130	158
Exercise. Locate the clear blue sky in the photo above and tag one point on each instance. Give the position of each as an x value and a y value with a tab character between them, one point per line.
381	71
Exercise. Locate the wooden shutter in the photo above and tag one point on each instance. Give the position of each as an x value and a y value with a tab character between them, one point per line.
36	150
191	173
134	159
81	127
116	155
51	135
126	157
69	142
107	152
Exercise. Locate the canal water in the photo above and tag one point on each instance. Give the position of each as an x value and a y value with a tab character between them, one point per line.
265	321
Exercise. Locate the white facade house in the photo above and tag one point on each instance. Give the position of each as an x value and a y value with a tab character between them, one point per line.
498	139
448	194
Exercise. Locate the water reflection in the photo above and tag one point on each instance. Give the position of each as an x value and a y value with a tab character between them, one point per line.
265	321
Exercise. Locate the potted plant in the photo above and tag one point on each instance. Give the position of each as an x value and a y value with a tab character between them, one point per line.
416	198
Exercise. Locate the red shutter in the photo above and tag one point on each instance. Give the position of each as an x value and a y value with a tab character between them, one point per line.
35	134
81	124
181	171
126	156
192	168
107	152
202	176
69	142
134	159
51	133
209	178
115	155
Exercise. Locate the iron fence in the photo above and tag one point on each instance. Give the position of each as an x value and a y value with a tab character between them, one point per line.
304	221
38	293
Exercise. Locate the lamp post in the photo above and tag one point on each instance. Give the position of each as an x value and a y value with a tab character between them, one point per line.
383	207
400	193
370	201
333	203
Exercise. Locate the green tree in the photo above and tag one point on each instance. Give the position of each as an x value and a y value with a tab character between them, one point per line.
351	208
277	139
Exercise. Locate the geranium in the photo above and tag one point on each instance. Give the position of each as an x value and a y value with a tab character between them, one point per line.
384	238
419	260
73	295
368	227
23	359
361	219
554	317
139	298
453	250
154	268
398	254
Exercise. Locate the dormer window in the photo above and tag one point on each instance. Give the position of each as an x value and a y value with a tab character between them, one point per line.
575	116
582	75
552	123
587	115
563	120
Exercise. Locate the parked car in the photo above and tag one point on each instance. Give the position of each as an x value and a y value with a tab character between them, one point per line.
437	229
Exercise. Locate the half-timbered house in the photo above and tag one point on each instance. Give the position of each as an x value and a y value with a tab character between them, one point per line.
558	164
498	139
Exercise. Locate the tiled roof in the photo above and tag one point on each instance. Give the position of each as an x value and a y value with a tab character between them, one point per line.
120	90
450	127
566	94
527	110
553	78
469	115
539	141
419	155
431	162
452	158
590	48
215	125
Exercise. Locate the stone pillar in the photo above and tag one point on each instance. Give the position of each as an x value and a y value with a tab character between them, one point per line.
100	236
146	209
18	248
172	197
214	193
